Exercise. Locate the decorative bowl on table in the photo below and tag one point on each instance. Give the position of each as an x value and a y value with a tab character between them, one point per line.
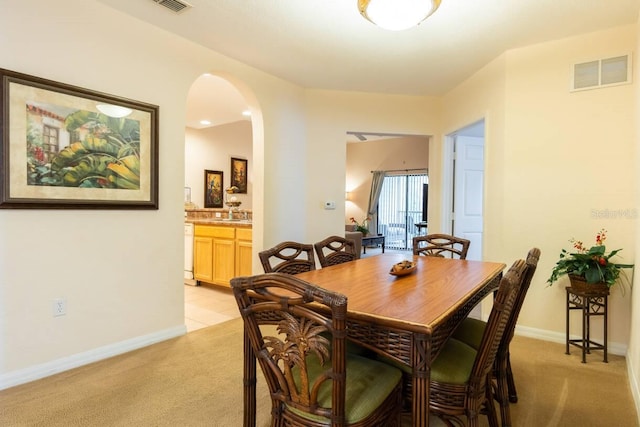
403	268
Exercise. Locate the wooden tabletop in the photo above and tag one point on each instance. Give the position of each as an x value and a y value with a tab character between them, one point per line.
418	301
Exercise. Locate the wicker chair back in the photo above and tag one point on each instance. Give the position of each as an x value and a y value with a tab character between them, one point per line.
441	245
288	258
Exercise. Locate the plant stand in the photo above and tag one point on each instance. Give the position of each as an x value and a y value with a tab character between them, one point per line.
590	304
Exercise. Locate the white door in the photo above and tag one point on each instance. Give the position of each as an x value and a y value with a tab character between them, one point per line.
467	193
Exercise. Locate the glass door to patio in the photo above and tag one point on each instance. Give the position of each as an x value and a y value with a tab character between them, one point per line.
400	208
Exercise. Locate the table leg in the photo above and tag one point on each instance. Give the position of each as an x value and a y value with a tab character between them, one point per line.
249	384
421	363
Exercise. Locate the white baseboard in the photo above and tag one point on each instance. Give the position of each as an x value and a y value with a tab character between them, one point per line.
635	389
36	372
559	337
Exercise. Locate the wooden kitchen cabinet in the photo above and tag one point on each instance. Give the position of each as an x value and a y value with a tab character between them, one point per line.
221	253
244	247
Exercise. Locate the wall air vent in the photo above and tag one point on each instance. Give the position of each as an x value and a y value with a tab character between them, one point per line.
176	6
601	73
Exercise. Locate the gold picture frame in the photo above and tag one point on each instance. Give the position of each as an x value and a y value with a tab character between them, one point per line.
213	189
239	174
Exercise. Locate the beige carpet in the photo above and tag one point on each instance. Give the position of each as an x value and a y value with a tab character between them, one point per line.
196	380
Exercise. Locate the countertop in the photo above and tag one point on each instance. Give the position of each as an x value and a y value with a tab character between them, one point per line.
240	223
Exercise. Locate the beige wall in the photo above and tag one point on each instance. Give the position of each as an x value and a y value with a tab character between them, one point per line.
388	154
633	355
330	115
212	149
554	158
120	271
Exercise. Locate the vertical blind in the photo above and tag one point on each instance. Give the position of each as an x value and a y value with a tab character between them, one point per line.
400	208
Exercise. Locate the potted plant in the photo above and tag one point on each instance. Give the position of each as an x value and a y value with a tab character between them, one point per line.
588	268
361	227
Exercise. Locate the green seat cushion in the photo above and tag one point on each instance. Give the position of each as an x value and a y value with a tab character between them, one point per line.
353	348
470	332
394	363
454	363
369	383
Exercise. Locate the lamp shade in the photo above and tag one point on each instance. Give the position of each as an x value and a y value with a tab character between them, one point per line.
397	15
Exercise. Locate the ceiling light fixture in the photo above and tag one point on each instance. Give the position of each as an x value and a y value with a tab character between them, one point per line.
397	15
205	122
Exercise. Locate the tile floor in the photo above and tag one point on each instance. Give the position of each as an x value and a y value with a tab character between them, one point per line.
207	305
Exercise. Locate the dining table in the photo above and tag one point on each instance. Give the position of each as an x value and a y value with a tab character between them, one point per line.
405	318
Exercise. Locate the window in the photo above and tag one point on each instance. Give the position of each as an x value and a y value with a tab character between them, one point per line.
400	208
50	142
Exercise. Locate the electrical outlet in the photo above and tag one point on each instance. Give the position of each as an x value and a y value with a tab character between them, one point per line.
59	307
218	214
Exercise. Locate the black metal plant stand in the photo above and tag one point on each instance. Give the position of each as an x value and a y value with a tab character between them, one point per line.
590	304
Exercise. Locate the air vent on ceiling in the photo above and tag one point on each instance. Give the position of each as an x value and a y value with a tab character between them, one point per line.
601	73
175	5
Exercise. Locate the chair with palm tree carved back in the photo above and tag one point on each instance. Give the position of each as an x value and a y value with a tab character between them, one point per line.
298	334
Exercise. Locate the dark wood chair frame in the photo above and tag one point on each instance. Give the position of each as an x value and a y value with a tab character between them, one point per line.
450	402
441	245
288	258
305	315
505	385
335	250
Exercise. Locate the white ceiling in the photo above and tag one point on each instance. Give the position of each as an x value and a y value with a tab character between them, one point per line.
326	44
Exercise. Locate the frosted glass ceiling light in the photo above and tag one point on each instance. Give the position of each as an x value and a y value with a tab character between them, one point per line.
114	110
397	15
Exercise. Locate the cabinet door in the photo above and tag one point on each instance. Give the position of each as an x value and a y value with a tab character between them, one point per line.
243	258
203	258
223	261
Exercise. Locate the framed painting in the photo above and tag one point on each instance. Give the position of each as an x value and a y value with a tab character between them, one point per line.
213	194
66	147
239	174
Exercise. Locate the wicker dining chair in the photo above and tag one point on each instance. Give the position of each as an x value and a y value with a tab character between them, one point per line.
335	250
311	378
288	258
441	245
470	332
461	376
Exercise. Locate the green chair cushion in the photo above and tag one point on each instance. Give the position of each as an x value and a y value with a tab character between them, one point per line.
369	383
454	363
470	332
353	348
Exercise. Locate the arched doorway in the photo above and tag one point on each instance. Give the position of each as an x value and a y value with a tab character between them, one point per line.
217	130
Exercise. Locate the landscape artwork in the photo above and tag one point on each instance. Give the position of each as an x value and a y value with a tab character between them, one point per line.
68	147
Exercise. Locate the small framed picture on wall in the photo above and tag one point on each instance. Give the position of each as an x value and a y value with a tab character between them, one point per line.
239	174
213	194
